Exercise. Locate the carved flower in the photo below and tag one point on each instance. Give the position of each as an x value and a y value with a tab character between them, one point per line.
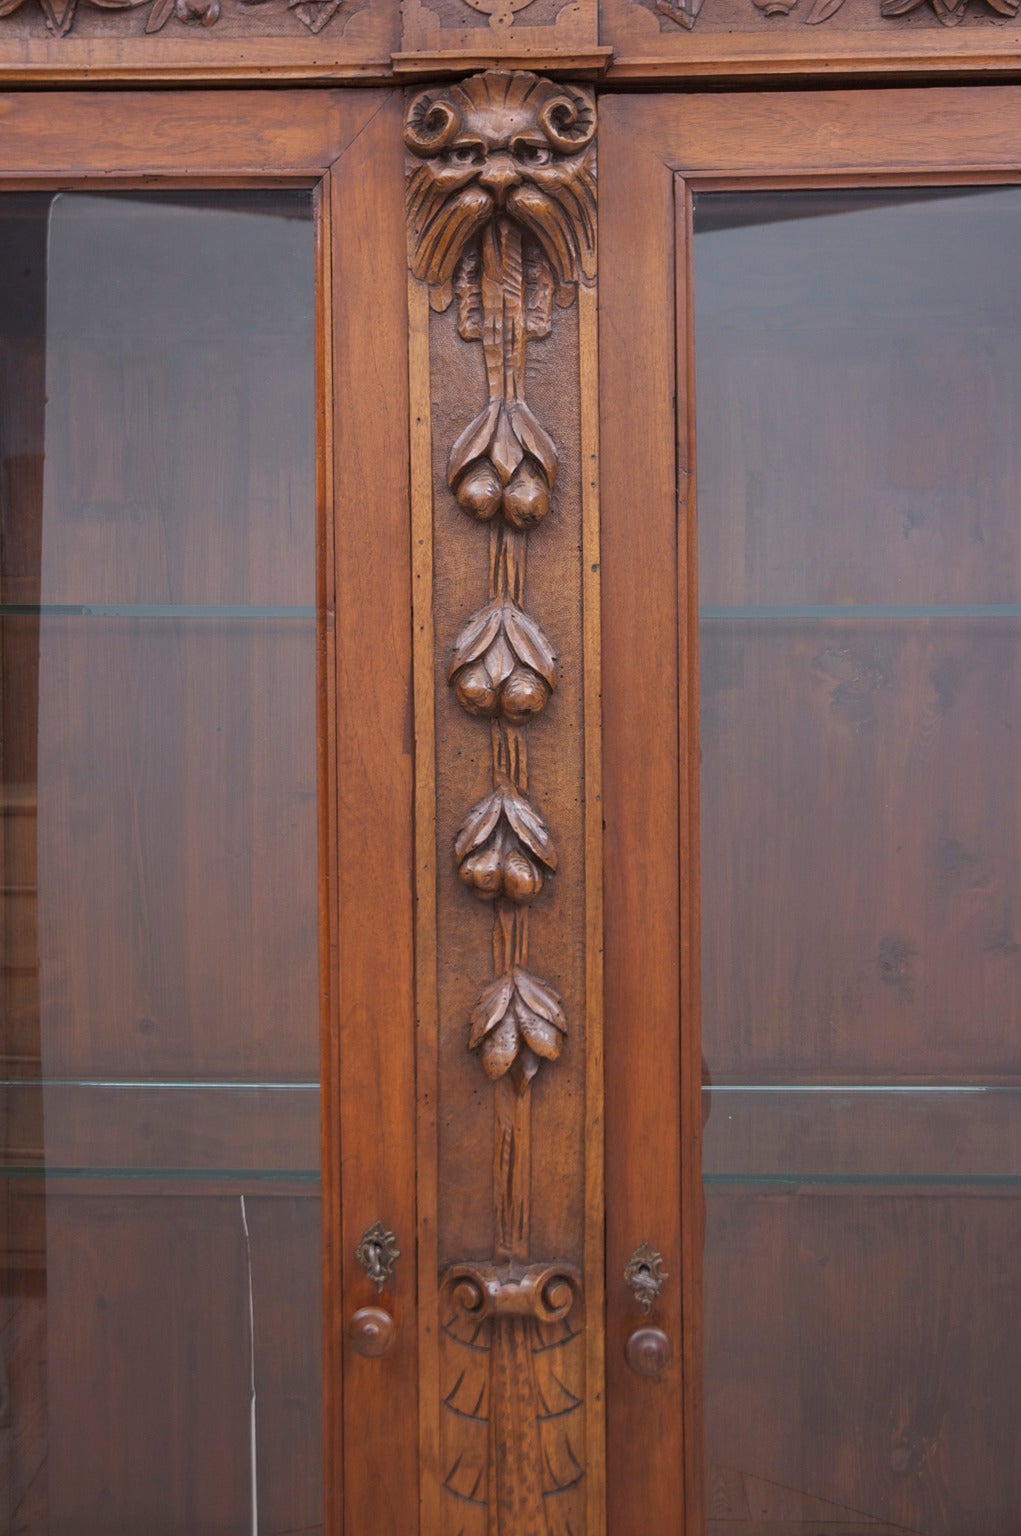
503	664
504	462
517	1021
503	848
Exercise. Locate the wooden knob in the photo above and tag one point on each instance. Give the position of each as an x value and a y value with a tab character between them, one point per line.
648	1351
371	1331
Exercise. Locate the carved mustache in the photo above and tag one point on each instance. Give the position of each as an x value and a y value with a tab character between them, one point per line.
559	213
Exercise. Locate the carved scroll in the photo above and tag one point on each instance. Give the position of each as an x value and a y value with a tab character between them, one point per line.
501	206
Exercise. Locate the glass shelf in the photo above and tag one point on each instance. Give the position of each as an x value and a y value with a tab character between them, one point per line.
173	1129
863	1136
157	611
169	1175
861	611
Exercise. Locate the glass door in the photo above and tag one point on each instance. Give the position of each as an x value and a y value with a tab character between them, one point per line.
859	581
811	388
178	808
161	1051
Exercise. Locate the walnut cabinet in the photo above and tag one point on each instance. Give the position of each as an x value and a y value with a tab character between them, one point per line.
510	598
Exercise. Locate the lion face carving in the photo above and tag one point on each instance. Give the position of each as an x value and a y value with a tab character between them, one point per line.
502	145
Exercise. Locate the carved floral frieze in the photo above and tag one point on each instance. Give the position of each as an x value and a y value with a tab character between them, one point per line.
685	13
149	16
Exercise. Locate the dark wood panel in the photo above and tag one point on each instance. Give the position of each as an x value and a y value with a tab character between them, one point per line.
285	1243
856	1356
147	1317
177	940
887	948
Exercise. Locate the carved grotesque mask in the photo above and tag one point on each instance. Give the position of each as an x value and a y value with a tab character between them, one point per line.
502	145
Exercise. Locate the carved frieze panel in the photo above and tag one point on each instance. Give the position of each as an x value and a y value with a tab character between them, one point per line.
124	18
719	37
501	213
227	39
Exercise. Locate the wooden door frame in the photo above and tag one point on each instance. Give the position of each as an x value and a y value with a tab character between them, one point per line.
654	152
328	141
652	149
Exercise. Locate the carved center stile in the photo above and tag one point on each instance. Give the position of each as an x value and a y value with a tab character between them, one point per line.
501	204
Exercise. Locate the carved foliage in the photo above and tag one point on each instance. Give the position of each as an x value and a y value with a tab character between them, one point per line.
686	12
59	15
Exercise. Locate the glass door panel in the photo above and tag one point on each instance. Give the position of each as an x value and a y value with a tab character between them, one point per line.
858	374
159	1049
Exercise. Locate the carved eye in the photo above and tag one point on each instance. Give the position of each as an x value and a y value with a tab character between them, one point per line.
465	154
533	154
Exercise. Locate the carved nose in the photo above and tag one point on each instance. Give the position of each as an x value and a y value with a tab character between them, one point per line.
499	176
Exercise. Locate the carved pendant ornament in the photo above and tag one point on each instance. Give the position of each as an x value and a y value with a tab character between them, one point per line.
501	208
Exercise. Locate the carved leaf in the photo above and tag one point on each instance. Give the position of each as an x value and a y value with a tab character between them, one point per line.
530	644
504	449
530	827
491	1008
539	1034
499	1049
478	824
533	438
315	13
499	659
822	10
898	7
553	1396
538	293
469	297
469	1393
526	1065
473	441
8	7
159	15
476	635
59	15
540	998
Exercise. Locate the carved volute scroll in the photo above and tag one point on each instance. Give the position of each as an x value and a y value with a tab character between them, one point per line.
501	209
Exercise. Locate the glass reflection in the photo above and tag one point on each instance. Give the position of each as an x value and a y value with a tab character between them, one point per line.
159	1107
859	473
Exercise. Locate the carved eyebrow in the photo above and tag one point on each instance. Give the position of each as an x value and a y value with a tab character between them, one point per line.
530	140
